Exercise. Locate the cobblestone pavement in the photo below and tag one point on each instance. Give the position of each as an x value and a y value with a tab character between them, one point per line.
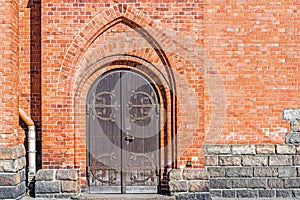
31	198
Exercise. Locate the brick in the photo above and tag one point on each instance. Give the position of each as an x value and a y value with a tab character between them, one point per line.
10	179
266	193
228	193
295	126
249	183
285	149
211	160
296	160
254	160
293	138
198	186
239	172
69	187
265	149
229	160
45	175
195	174
47	187
216	171
287	172
291	114
218	149
275	183
243	149
220	183
291	183
175	174
280	160
284	193
247	193
66	174
265	172
215	193
178	186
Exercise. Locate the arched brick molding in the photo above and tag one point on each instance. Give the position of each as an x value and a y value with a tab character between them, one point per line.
78	71
107	64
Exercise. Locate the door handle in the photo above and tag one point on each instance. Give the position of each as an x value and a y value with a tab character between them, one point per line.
129	138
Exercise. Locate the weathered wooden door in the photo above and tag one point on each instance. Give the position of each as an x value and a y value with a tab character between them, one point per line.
123	134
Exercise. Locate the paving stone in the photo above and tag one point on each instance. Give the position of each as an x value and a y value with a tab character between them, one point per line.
10	179
228	193
229	160
175	174
195	174
285	149
295	126
185	196
292	138
287	172
243	149
296	160
202	196
254	160
275	183
211	160
178	186
217	149
291	183
284	193
247	193
13	192
280	160
298	149
45	175
46	187
215	193
266	193
291	114
220	183
249	183
239	172
69	186
265	149
12	153
296	193
265	172
198	186
66	174
216	171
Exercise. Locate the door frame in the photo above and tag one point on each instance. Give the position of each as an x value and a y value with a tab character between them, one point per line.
158	97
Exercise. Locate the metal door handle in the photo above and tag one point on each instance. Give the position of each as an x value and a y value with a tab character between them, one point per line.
129	138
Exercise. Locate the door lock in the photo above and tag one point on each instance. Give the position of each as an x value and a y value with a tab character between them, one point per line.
129	138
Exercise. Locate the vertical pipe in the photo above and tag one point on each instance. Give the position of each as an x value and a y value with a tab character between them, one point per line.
31	153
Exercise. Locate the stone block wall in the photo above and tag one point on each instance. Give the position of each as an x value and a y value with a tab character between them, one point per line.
51	183
12	172
250	171
189	183
293	116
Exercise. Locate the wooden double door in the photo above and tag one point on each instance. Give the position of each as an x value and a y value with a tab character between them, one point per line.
123	134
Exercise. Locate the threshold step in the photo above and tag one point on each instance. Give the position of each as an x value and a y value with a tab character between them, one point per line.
123	196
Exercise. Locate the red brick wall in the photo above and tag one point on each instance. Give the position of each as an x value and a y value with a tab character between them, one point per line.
254	49
235	67
9	14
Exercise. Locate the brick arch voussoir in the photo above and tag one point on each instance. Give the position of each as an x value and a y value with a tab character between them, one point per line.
97	26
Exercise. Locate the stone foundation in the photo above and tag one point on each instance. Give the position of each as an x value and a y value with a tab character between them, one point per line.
250	171
51	183
12	172
189	183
